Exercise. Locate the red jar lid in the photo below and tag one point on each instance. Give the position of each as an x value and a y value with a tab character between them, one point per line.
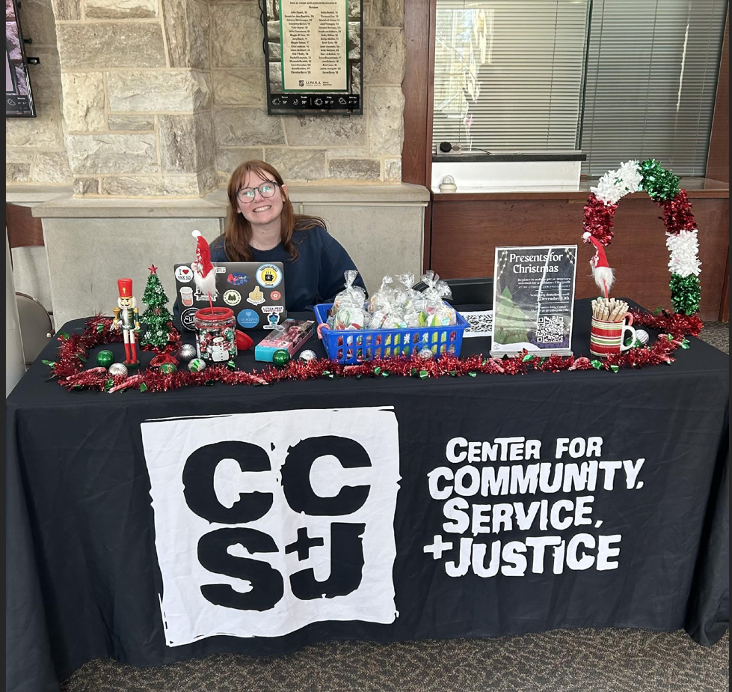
214	314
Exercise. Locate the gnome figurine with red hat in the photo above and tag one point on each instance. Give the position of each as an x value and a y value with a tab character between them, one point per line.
204	274
127	318
601	271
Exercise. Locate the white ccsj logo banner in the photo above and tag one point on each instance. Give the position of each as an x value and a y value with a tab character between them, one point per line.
267	522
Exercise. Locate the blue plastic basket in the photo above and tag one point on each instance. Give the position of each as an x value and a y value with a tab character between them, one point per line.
355	345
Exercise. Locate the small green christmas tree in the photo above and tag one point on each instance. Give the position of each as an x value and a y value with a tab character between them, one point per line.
156	322
510	321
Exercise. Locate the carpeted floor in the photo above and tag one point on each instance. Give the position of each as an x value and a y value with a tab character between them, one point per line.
716	334
559	661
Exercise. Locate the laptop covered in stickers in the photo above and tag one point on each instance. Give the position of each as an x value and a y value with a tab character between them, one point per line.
255	291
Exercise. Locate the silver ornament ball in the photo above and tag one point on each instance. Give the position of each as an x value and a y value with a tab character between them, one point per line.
308	355
186	353
117	370
426	354
641	337
197	365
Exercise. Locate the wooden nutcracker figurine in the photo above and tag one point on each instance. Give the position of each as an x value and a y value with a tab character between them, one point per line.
126	318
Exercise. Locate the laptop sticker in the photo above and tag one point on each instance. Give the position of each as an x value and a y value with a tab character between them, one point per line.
237	279
272	321
256	297
184	274
187	318
232	297
248	319
274	313
269	276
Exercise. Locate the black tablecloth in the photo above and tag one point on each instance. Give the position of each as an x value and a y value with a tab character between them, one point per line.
108	525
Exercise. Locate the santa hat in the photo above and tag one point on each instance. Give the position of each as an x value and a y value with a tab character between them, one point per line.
601	271
203	273
600	256
203	254
125	288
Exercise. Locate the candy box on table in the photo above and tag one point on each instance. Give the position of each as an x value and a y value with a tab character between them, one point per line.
355	345
288	336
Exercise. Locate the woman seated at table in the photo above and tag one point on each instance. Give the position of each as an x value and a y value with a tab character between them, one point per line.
262	226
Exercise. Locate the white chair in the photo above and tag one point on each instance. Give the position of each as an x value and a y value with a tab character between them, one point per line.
36	328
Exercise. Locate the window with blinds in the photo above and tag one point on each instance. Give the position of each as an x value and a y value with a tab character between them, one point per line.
618	79
509	74
651	82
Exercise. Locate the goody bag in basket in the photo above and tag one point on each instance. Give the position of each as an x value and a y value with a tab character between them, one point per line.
348	311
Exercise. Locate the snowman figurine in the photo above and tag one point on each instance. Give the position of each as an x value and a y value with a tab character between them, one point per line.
219	349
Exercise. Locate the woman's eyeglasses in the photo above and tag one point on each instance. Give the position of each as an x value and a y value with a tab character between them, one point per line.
247	194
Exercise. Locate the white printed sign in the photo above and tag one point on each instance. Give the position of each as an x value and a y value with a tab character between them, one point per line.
267	522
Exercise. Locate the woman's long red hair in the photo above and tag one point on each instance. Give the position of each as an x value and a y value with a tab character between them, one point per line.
238	231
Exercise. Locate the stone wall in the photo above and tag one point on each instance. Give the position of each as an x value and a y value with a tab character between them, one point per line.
166	97
136	82
307	148
35	151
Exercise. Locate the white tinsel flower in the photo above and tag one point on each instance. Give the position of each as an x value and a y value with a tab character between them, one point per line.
630	173
614	185
684	249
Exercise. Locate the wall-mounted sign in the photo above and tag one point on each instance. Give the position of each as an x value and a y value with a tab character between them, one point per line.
314	56
18	95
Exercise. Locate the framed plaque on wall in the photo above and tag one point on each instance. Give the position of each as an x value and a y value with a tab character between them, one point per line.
314	55
18	94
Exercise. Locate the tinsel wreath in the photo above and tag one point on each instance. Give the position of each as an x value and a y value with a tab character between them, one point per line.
681	232
69	365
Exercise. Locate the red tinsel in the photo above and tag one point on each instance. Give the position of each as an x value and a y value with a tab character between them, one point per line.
677	214
672	323
72	354
162	359
599	219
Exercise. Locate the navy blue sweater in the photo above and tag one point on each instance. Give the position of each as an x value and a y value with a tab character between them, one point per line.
316	276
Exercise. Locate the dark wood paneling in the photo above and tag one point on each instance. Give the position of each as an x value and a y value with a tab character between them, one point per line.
430	89
417	76
23	228
417	87
427	255
724	307
465	235
706	189
718	159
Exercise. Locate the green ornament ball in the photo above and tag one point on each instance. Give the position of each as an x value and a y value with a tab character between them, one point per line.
168	368
105	358
280	358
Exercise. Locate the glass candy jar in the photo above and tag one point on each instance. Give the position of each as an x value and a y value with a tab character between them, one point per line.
215	334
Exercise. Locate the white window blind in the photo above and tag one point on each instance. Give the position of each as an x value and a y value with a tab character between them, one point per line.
651	82
509	74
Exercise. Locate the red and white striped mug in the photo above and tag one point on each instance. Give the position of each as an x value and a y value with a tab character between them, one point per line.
608	338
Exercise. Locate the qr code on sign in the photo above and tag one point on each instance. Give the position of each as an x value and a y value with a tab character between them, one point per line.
550	330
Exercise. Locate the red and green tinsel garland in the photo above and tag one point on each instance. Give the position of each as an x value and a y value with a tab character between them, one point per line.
72	355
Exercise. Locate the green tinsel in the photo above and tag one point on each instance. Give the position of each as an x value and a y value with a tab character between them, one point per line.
685	293
659	183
